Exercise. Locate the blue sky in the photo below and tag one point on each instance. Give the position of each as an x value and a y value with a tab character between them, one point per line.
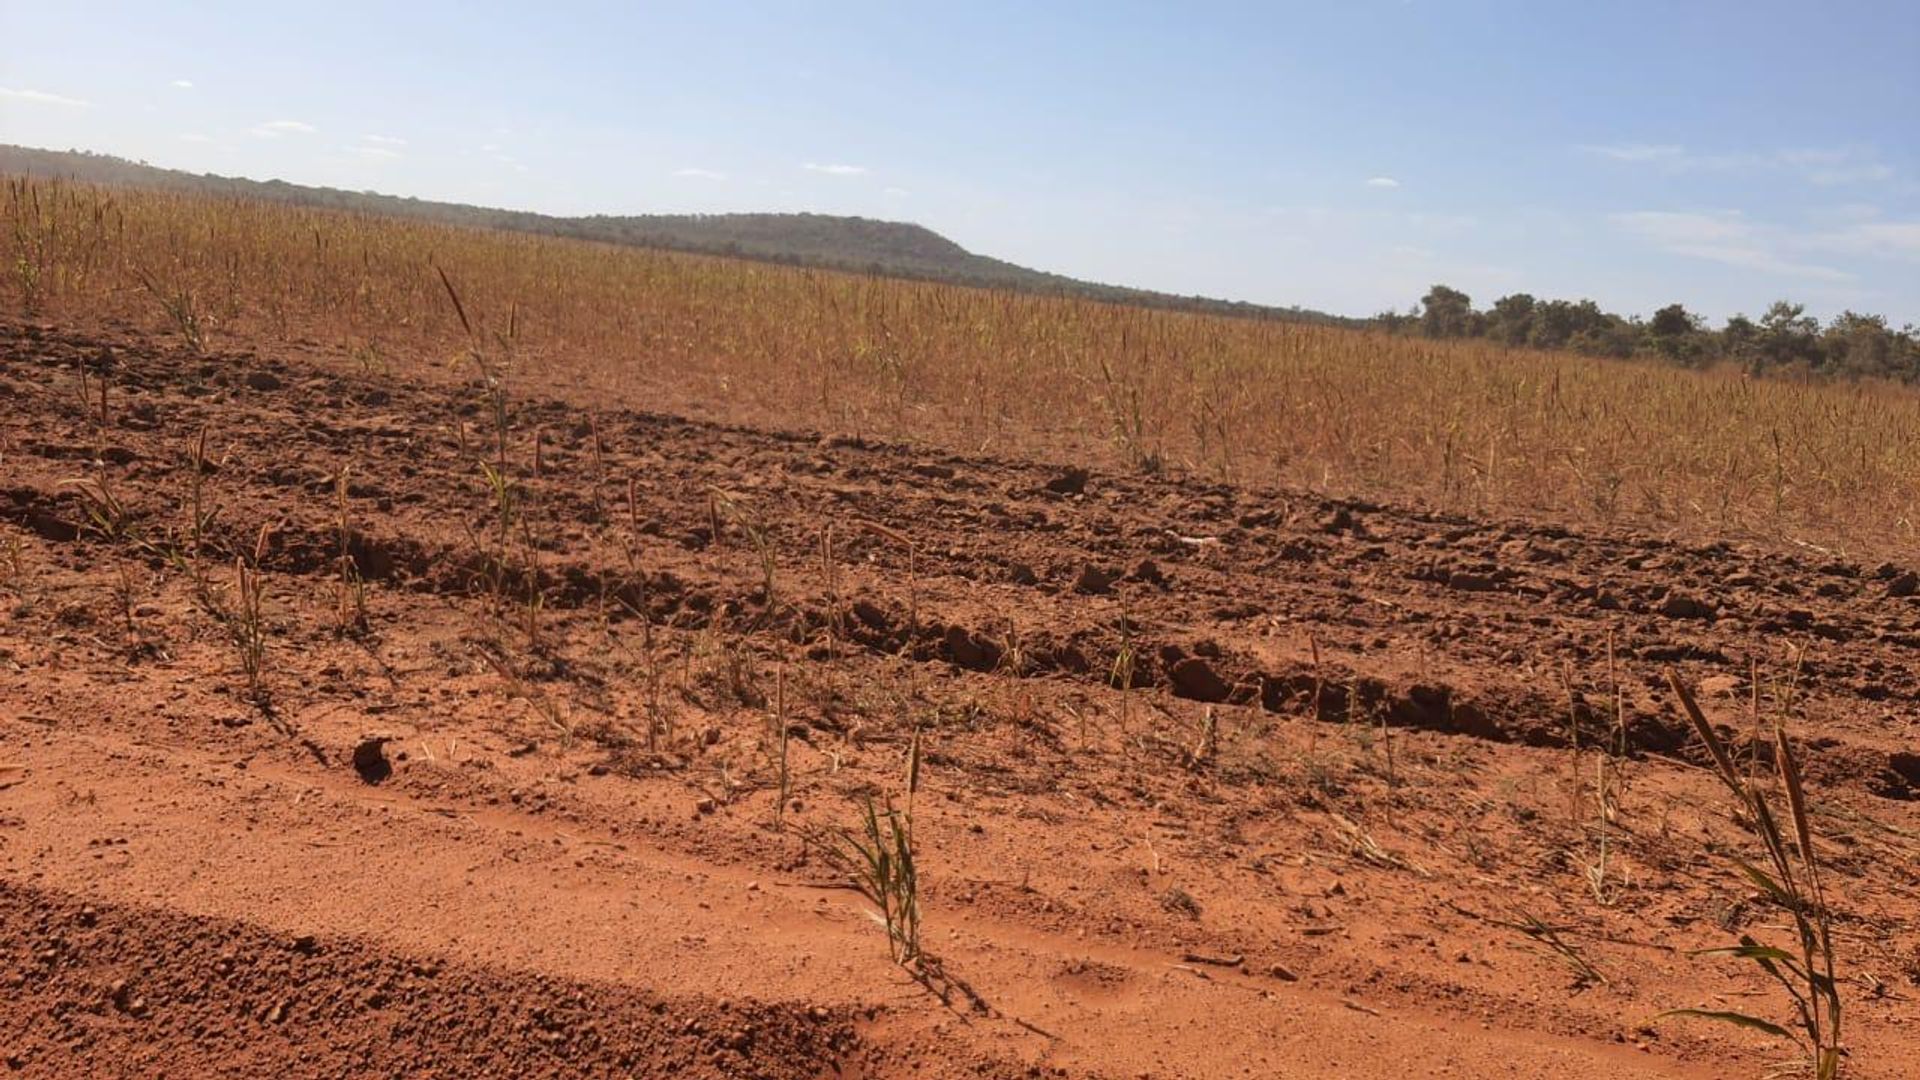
1342	156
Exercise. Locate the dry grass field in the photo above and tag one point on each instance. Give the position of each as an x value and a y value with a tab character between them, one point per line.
1459	427
439	652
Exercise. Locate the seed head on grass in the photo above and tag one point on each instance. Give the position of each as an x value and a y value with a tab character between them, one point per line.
1790	881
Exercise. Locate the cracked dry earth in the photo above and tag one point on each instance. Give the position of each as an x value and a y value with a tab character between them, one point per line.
1216	781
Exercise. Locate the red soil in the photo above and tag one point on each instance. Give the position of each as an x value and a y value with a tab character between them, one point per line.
1321	879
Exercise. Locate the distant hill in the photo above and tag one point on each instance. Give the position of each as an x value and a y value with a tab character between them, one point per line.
861	245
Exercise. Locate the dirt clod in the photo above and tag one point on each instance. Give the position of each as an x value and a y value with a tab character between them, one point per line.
1071	482
370	759
1095	580
1194	678
1682	606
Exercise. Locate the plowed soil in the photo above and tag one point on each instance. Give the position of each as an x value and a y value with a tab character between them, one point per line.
1215	781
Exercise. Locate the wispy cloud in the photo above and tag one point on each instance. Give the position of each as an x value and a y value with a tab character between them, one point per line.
692	173
1444	224
1729	238
894	192
196	137
384	140
1634	151
1833	167
182	84
494	151
1386	183
1687	227
1881	239
377	153
274	129
41	97
836	170
1823	166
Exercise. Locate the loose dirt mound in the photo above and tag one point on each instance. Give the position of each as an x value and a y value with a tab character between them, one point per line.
1216	780
109	990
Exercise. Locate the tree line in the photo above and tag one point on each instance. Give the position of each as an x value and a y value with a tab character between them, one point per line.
1785	340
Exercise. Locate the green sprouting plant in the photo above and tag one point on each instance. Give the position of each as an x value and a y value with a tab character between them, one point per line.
106	514
1553	938
243	618
501	496
1790	881
180	308
880	860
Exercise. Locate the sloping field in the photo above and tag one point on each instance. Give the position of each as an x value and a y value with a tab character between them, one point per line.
465	708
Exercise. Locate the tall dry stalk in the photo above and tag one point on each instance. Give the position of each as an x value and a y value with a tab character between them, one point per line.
1790	880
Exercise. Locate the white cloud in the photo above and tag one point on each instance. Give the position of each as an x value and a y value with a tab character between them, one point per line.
182	84
1678	227
1823	166
493	151
381	153
1728	238
41	97
700	174
1635	151
1831	166
1443	223
384	140
1884	239
1869	173
273	129
836	170
196	137
1383	182
894	192
1754	258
